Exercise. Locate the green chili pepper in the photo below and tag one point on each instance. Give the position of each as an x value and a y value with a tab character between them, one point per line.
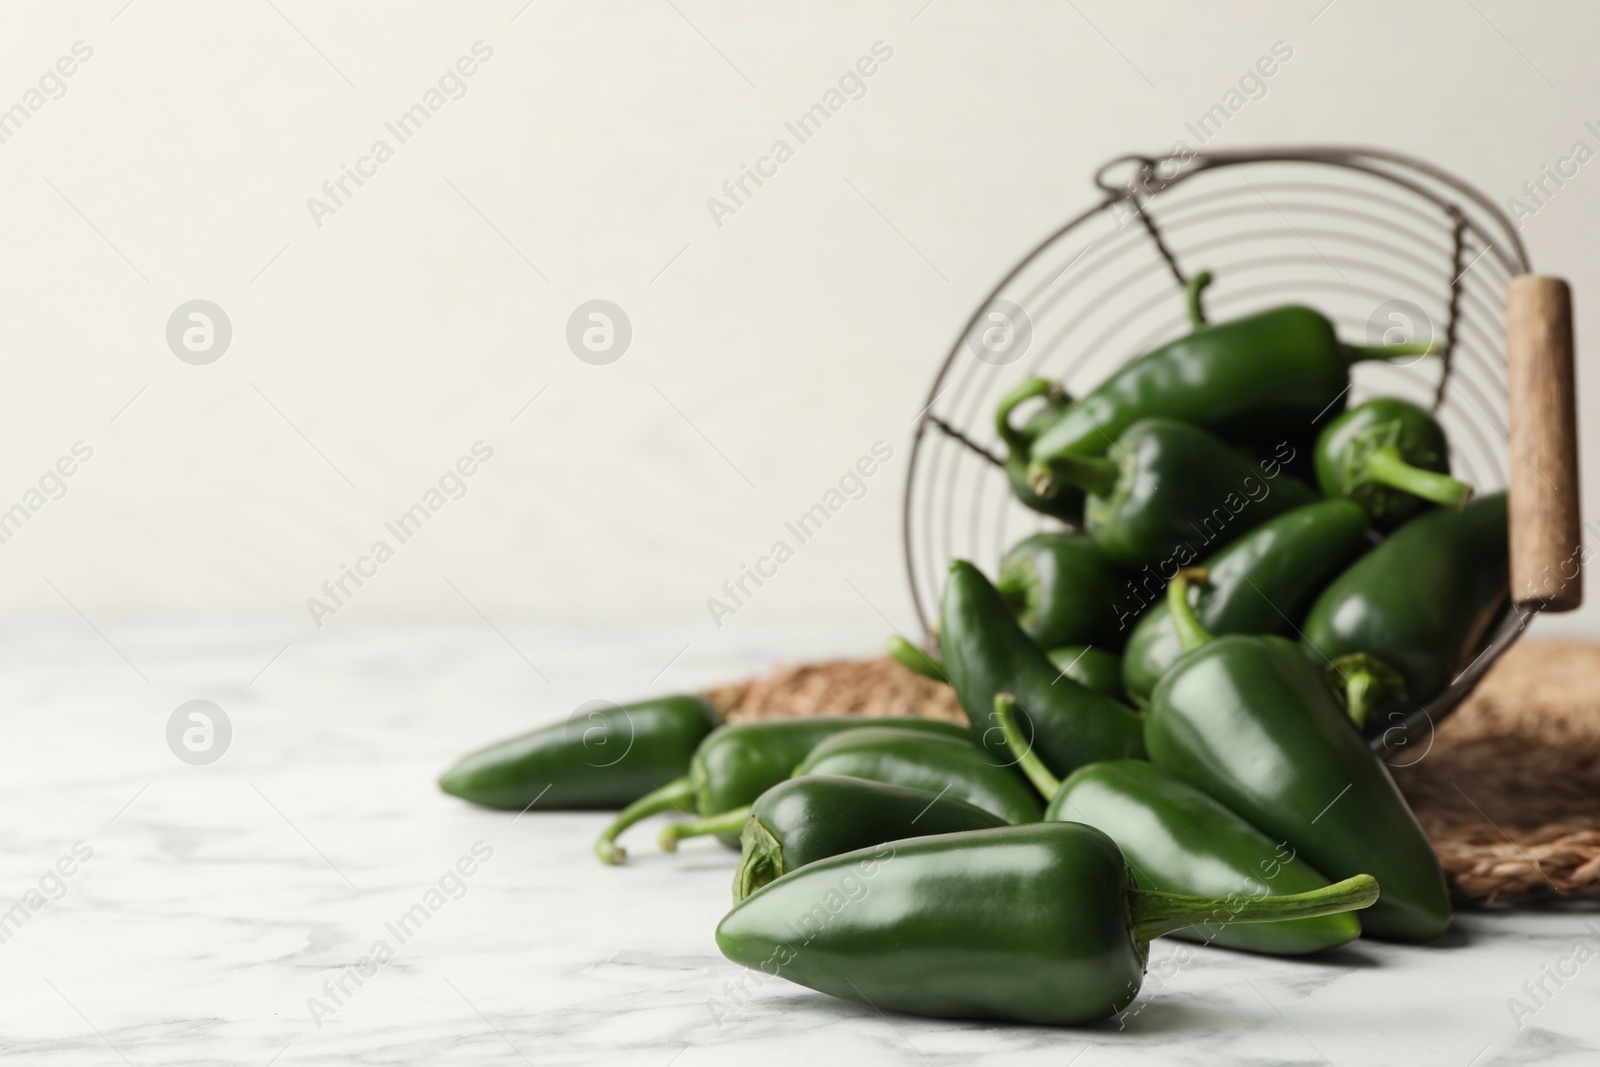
1265	377
1038	923
1171	489
605	758
986	652
1093	668
949	766
1263	583
1250	721
952	766
1179	840
1423	601
1390	457
807	819
1067	504
1063	590
738	762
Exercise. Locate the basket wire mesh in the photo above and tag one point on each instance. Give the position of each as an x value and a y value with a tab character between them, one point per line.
1386	246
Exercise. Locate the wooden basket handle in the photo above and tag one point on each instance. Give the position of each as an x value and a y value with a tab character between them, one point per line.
1546	522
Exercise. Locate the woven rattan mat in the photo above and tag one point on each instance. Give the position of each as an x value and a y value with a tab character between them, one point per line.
1508	789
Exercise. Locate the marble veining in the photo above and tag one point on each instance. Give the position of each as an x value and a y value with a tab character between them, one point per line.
222	904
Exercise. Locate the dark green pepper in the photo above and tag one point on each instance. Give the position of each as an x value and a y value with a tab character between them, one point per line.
1038	923
1250	721
1265	377
1263	583
1179	840
949	766
1067	504
1390	457
1092	668
986	653
952	766
807	819
606	757
1171	489
1421	602
1063	590
738	762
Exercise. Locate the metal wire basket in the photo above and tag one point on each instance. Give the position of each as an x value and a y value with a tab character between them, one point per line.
1388	247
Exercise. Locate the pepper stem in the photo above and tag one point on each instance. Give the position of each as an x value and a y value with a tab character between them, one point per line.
1005	713
1191	635
1387	466
1155	913
762	860
1365	682
676	795
915	660
1025	391
1095	475
1358	353
1191	293
727	822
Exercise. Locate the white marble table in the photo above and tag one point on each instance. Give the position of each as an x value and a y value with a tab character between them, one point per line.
219	899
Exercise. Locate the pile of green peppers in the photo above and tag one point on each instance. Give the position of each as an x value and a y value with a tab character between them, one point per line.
1170	701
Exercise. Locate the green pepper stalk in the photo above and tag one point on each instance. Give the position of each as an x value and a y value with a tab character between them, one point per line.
603	759
1364	682
807	819
950	766
1179	840
1065	506
915	659
1040	923
738	762
1191	294
1263	583
1390	457
1424	600
1171	489
1250	721
1063	589
677	795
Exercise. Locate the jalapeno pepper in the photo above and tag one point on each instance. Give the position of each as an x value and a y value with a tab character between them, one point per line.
986	652
950	766
1265	377
1250	721
738	762
1179	840
605	758
807	819
1263	583
1390	457
1092	668
1170	490
1039	923
1422	601
1067	504
1063	590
